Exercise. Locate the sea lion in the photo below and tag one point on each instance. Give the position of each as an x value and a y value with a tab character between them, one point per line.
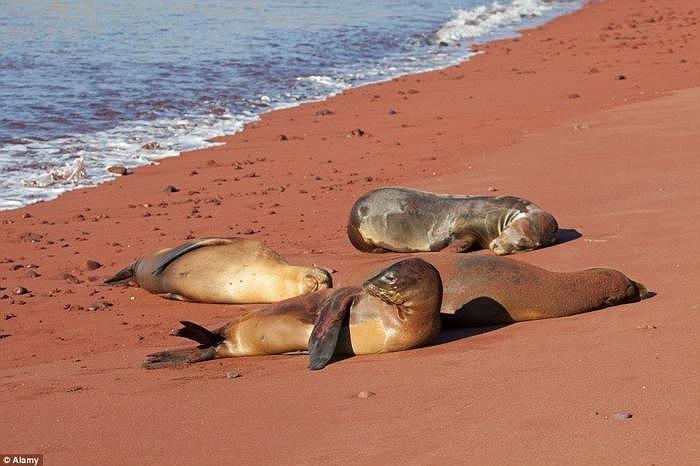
488	290
397	309
222	270
407	220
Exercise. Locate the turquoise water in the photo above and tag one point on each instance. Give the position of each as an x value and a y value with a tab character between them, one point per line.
85	85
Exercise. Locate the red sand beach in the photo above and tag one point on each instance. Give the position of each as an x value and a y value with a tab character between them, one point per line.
595	117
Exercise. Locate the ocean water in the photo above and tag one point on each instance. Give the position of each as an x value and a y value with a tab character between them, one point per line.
86	85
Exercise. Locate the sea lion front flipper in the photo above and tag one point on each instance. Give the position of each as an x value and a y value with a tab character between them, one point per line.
167	258
464	243
174	297
331	315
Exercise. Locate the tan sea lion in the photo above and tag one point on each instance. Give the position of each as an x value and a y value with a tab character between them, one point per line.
407	220
222	270
397	309
487	290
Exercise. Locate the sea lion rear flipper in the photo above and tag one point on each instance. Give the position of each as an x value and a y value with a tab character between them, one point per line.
123	277
324	336
179	357
174	297
207	339
167	258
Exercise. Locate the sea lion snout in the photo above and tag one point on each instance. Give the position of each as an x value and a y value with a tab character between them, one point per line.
318	279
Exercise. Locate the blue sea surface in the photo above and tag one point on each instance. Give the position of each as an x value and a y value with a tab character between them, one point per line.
86	85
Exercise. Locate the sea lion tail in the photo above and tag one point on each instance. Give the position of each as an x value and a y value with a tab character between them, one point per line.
206	351
123	277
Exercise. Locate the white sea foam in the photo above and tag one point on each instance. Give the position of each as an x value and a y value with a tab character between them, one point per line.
483	20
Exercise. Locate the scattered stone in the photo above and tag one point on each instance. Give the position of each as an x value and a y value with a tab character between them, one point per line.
20	290
19	302
93	265
77	388
492	188
283	137
356	133
151	146
70	278
102	305
67	307
324	112
170	189
574	96
33	274
621	416
26	215
16	267
248	231
365	394
392	112
119	170
10	316
31	237
6	260
594	70
620	77
647	327
232	375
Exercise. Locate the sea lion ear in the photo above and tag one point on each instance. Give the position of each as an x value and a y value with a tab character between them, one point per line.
331	315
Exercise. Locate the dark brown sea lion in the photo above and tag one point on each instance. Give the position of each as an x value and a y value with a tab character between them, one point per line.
487	290
397	309
222	270
407	220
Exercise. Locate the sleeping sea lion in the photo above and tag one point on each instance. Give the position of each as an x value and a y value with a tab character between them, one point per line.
488	290
222	270
407	220
397	309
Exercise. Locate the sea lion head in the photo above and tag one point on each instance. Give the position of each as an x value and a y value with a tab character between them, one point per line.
409	283
317	279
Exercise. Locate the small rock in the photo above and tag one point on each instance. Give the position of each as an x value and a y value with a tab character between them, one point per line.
574	96
492	188
647	327
594	70
621	416
232	375
151	146
33	274
324	112
10	316
93	265
283	137
392	112
70	278
620	77
26	215
248	231
118	170
365	394
20	290
356	133
170	189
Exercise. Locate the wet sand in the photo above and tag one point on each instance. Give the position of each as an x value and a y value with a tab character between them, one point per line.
594	117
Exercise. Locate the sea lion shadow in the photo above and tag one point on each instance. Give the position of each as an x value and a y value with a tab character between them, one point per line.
564	235
475	317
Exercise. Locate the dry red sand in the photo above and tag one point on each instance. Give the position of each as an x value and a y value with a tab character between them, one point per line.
548	117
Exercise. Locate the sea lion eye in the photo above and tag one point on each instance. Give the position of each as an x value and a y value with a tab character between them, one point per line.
390	277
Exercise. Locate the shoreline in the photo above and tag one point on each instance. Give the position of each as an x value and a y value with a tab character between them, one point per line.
589	116
241	119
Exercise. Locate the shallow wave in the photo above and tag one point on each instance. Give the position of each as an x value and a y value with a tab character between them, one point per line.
483	20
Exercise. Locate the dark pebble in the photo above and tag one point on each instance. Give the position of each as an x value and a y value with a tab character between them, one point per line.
621	416
620	77
20	290
170	189
93	265
118	170
151	146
